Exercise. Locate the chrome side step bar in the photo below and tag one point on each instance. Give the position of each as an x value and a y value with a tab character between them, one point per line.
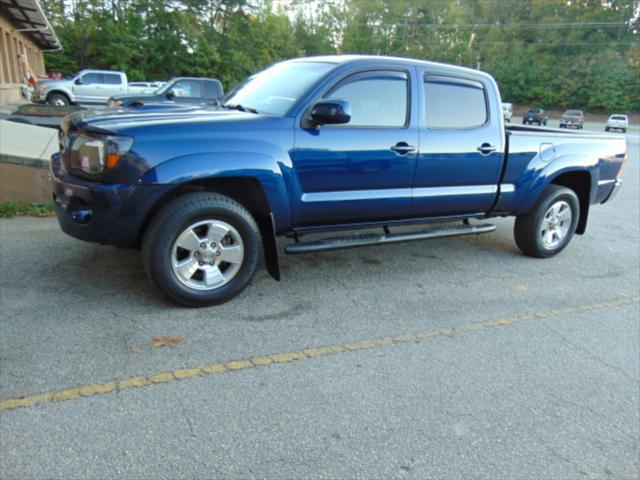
375	239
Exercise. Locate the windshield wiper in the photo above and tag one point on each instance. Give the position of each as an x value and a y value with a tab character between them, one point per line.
237	106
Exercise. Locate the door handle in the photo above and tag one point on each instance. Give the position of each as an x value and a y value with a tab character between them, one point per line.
402	148
486	148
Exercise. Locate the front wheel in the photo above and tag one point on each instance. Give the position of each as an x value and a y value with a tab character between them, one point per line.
201	249
548	228
58	100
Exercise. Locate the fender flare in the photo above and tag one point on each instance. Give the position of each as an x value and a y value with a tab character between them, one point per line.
216	166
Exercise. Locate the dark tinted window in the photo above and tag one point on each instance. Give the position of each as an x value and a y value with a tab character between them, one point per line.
212	89
575	113
377	99
112	79
89	78
452	104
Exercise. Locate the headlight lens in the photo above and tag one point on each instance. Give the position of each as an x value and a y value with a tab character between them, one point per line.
96	155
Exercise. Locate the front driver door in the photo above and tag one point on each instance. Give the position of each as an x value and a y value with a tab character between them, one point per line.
360	171
186	92
87	91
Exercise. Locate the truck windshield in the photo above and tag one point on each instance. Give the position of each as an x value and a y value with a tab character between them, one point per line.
274	91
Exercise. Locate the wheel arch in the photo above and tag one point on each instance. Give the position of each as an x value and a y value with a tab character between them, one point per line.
581	183
247	191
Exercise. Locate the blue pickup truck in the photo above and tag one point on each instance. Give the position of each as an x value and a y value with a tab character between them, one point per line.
322	144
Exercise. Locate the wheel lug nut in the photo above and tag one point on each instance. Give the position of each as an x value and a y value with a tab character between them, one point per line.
200	263
203	245
197	254
212	264
218	254
213	244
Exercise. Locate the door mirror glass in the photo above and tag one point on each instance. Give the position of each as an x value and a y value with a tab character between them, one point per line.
79	81
333	112
170	94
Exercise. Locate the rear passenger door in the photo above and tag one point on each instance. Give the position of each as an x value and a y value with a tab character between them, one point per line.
461	146
113	85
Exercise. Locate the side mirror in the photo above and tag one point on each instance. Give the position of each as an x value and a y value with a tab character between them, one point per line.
79	81
330	112
171	94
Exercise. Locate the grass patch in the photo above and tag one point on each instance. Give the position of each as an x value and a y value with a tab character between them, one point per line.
13	209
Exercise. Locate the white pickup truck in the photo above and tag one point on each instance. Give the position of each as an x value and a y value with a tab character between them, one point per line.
86	86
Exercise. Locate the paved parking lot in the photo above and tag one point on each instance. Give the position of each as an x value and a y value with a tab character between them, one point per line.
453	358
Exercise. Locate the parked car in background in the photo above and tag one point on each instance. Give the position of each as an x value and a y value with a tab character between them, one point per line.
535	115
318	145
143	88
572	118
507	111
617	121
86	86
182	90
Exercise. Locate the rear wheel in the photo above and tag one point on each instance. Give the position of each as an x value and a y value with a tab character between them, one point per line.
548	228
201	249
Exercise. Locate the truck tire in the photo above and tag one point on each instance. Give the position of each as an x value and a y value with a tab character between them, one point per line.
201	249
58	99
548	228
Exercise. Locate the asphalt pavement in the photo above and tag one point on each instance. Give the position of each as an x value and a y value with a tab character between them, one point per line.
454	358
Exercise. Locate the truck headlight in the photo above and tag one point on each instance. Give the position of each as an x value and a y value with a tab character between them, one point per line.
96	155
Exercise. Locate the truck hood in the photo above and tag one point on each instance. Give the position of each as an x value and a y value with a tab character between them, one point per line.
128	121
53	83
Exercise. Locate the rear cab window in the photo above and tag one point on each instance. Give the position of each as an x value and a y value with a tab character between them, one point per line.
452	103
112	78
212	89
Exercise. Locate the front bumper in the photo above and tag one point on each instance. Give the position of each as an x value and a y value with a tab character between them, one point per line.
36	97
105	213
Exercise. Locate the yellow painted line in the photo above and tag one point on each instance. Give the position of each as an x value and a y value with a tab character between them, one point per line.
286	357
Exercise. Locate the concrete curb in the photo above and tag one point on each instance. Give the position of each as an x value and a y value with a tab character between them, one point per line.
24	161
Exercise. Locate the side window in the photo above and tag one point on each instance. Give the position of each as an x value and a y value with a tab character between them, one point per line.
377	99
454	104
212	89
186	88
89	78
112	79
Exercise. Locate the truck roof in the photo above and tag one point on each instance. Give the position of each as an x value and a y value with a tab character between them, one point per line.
98	70
381	59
